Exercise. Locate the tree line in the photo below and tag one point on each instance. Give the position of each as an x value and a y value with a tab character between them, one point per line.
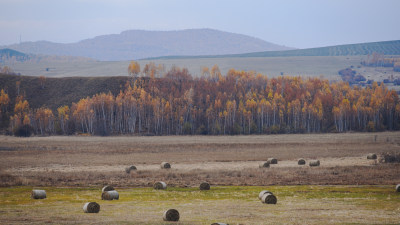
155	102
379	60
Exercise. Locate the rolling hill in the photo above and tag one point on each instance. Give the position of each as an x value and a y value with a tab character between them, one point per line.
59	91
137	44
385	47
10	54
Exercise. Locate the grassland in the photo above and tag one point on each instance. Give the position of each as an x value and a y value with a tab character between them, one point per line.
310	66
346	189
233	205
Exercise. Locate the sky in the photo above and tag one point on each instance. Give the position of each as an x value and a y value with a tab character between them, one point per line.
293	23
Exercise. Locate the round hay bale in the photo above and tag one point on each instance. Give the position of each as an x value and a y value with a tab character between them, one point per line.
372	156
171	215
129	169
204	186
38	194
91	207
314	163
268	198
165	165
398	188
263	193
107	188
110	195
301	162
272	161
264	165
160	185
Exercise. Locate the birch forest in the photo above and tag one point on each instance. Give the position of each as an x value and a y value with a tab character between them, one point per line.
154	102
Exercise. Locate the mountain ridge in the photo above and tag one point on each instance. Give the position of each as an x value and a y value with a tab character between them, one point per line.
137	44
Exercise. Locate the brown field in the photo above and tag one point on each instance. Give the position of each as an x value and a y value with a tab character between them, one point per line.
220	160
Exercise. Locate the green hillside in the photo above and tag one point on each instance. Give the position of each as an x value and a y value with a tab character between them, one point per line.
7	54
385	47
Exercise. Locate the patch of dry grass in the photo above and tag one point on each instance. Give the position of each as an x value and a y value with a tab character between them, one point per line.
7	179
349	175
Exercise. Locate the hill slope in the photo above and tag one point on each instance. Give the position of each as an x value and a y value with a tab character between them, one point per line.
59	91
10	54
385	47
137	44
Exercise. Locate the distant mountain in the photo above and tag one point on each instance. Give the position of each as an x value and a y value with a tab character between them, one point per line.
138	44
384	47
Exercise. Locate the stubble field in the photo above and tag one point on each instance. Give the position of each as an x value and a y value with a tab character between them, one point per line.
346	188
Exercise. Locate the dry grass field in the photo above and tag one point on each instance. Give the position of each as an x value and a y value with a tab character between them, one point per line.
308	66
346	188
221	160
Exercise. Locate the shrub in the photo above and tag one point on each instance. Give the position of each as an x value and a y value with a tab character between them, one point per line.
371	126
187	128
237	129
390	157
201	130
24	131
274	129
253	128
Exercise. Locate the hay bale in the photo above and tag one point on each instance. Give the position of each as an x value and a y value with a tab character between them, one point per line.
165	165
301	162
171	215
398	188
160	185
263	193
204	186
129	169
91	207
107	188
110	195
314	163
272	161
264	165
372	156
38	194
389	157
268	198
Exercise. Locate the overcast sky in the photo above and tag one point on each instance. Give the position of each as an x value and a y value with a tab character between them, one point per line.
294	23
